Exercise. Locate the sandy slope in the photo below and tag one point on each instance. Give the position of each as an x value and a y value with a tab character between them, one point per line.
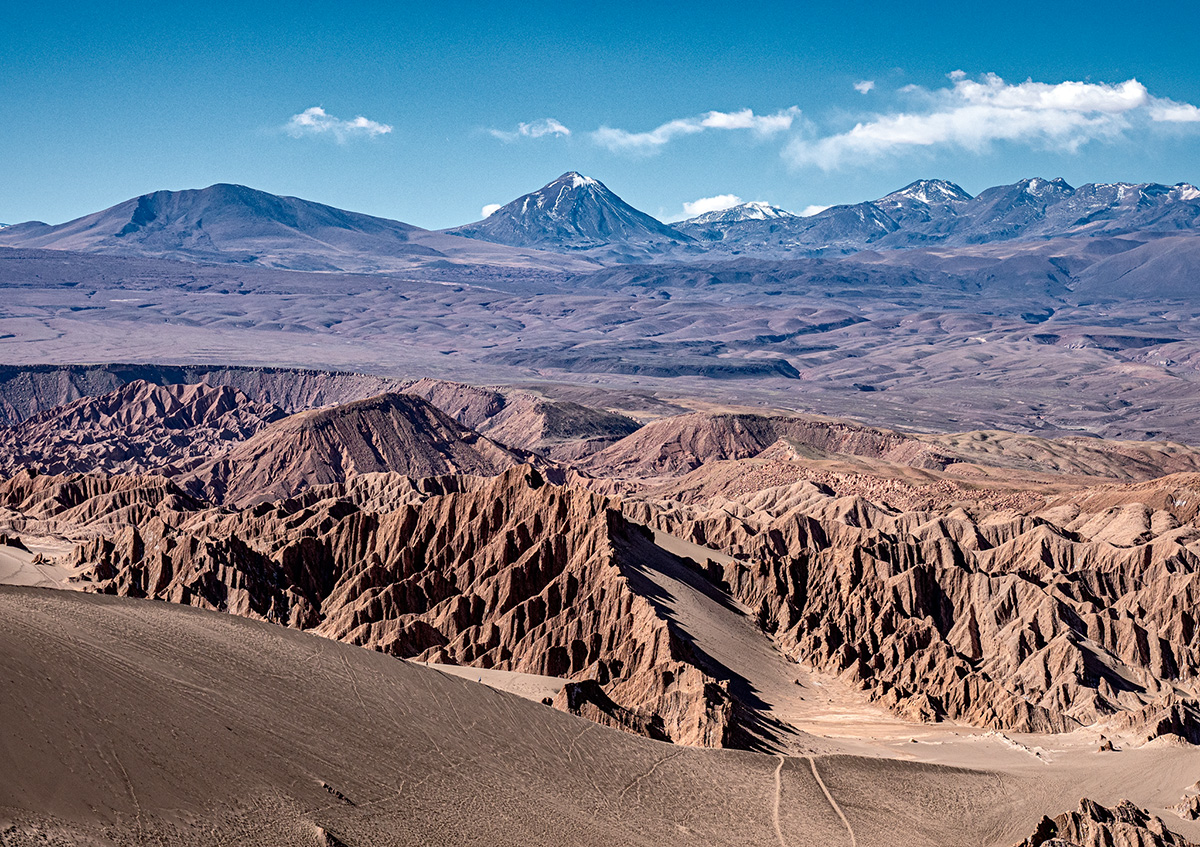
17	566
531	686
146	723
138	722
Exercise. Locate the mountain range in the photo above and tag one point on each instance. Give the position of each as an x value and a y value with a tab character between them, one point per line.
239	225
579	216
641	517
936	212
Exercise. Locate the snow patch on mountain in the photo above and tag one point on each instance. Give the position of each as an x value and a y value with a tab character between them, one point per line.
755	210
1187	191
929	192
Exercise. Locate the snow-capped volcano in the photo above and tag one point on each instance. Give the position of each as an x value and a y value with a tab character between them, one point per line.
752	211
928	191
575	212
920	202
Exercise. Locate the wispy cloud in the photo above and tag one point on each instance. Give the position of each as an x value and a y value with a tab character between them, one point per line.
533	129
972	114
316	121
809	211
622	141
864	86
487	210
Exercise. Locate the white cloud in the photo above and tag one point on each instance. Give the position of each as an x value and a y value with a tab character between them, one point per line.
1171	112
533	129
487	210
809	211
971	114
622	141
864	86
316	121
711	204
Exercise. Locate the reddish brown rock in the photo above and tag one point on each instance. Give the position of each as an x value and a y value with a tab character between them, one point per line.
997	619
510	573
138	428
392	432
1124	825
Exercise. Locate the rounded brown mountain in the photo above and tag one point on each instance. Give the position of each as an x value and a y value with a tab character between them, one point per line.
391	432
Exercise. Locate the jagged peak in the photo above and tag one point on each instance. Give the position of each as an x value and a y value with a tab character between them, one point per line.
1037	185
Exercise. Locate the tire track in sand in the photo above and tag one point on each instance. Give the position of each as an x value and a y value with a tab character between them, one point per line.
813	763
778	797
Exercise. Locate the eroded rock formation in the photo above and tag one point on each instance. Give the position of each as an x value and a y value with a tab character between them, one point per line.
999	599
389	433
1093	825
140	427
558	429
510	573
999	619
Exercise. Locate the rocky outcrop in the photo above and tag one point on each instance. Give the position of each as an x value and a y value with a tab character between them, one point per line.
1093	825
140	427
679	444
558	429
1169	717
675	446
28	390
509	572
86	505
1189	807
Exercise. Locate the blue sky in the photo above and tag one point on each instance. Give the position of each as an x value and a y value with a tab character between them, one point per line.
108	101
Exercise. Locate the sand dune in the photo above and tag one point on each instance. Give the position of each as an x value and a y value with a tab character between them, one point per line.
139	722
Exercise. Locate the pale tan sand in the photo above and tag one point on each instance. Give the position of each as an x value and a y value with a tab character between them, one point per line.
531	686
145	722
17	566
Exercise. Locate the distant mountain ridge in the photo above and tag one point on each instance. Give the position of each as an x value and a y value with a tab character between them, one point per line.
234	224
937	212
575	223
752	211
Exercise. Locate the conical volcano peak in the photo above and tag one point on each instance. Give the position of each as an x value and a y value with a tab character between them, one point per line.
576	180
755	210
574	212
